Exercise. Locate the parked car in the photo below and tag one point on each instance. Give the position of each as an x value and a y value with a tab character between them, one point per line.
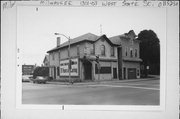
40	79
26	78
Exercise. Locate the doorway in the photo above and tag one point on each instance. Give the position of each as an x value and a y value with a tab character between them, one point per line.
87	70
131	73
124	73
115	73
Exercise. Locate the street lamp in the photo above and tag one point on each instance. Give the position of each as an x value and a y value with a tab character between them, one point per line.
69	67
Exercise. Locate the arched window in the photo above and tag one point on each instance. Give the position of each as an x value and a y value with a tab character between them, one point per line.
102	50
131	52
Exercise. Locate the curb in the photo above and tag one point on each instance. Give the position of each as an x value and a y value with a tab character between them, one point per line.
102	82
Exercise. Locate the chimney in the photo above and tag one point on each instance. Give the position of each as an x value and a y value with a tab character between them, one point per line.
58	41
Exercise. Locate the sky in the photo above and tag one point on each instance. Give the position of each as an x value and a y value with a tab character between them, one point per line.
36	28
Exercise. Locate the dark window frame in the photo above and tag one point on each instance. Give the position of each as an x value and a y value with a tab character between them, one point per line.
112	51
78	51
58	71
103	50
103	70
131	52
126	51
53	56
136	53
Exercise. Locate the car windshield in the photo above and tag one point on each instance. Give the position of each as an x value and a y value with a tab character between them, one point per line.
40	77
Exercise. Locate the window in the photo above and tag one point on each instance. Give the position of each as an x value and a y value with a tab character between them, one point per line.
135	52
138	72
92	50
132	42
87	50
126	51
51	71
112	51
131	52
102	50
103	70
58	71
77	50
59	53
53	56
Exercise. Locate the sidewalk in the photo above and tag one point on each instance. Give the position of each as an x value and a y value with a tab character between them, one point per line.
101	82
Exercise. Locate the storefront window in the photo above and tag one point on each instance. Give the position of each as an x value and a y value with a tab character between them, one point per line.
103	70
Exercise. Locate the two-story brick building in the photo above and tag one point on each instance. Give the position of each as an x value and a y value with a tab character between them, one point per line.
83	51
130	54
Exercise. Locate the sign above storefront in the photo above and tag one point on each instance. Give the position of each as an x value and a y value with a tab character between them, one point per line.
64	70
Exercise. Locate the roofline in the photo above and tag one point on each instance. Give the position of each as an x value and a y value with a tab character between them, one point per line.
86	40
108	40
57	48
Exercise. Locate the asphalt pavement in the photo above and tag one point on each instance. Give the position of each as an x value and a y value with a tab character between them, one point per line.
129	92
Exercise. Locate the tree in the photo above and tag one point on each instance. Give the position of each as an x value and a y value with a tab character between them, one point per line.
150	51
41	71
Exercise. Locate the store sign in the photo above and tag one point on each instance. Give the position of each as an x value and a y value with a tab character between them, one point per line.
64	67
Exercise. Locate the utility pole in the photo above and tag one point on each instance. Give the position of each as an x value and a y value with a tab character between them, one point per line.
69	62
69	66
98	66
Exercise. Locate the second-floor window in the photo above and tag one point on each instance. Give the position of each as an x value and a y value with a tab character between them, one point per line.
53	56
78	50
112	51
131	52
92	49
132	42
126	51
136	52
102	50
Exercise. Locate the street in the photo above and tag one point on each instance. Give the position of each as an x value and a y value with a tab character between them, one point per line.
143	92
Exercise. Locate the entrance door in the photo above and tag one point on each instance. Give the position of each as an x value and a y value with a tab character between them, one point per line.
115	73
87	70
124	73
131	73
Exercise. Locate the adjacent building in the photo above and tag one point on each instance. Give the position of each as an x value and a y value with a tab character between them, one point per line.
130	54
118	58
46	61
28	69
